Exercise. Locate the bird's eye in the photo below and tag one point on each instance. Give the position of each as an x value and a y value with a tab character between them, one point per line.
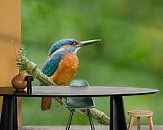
72	43
75	43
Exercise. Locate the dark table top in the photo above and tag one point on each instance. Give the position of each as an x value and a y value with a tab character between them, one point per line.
66	91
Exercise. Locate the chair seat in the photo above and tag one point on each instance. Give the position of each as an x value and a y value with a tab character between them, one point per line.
140	113
79	103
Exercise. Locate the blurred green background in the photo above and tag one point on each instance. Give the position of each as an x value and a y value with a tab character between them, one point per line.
130	54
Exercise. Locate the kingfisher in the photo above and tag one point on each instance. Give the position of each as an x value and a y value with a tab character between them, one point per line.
62	64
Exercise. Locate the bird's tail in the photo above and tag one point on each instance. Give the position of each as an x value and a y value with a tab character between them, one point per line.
46	103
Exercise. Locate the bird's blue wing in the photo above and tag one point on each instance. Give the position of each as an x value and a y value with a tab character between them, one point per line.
51	65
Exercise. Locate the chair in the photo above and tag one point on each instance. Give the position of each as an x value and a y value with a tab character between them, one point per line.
73	103
138	114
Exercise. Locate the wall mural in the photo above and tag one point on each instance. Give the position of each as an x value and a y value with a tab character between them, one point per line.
129	53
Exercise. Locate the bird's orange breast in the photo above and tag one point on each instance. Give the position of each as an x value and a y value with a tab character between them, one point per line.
66	70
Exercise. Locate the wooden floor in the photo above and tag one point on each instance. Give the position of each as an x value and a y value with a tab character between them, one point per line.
98	127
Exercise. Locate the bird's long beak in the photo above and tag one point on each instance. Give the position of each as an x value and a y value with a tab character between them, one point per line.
85	43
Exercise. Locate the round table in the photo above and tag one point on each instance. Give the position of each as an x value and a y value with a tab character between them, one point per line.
117	116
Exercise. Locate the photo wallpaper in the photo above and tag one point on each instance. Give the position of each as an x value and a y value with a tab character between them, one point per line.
129	53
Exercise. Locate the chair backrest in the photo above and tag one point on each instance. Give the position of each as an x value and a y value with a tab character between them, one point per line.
79	83
79	102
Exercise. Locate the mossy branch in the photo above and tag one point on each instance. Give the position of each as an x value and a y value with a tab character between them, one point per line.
31	68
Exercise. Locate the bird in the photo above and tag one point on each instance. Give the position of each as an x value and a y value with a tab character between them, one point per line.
62	64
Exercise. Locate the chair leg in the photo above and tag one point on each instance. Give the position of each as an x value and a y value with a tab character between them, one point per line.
70	119
150	123
131	122
138	123
90	120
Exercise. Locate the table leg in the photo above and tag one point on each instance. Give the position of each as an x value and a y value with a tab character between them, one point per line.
9	113
117	114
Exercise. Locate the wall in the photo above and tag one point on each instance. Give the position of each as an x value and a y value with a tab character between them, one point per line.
10	29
